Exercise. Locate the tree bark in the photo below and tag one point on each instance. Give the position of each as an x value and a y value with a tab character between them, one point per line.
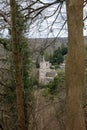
18	76
75	66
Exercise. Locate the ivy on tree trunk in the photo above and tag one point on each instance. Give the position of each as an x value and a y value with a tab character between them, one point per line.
18	76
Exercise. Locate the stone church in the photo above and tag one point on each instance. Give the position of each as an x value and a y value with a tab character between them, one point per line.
46	74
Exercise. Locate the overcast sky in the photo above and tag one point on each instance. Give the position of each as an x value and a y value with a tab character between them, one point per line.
46	28
43	28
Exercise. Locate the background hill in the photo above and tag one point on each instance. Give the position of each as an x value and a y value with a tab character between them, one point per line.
47	46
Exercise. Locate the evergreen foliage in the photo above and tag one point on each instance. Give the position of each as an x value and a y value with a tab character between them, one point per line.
63	49
6	43
37	63
57	84
58	55
23	49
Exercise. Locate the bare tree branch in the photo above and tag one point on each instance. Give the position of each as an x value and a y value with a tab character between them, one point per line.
2	14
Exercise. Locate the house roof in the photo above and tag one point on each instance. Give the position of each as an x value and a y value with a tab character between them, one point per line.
50	74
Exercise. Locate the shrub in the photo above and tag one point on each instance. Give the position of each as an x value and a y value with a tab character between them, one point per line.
57	84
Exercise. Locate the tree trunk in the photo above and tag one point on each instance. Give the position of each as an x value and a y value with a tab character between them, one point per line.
75	66
18	76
